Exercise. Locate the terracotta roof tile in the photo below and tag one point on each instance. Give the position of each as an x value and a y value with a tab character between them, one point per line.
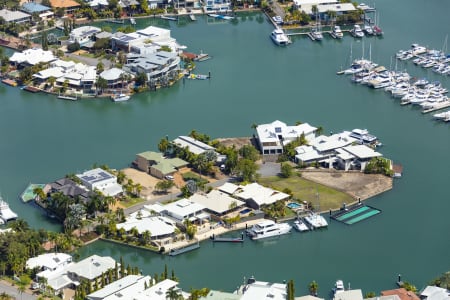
63	3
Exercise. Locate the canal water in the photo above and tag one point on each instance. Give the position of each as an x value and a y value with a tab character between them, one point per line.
253	81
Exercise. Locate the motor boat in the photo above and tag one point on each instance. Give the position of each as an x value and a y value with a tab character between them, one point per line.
337	32
357	31
299	225
268	228
338	287
120	97
316	220
6	214
279	37
316	34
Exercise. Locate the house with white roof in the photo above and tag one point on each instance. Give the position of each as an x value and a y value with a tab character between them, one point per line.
355	157
349	295
273	136
144	220
101	180
83	34
113	76
323	148
71	274
435	293
256	195
323	6
229	188
10	16
181	210
49	261
155	65
139	41
31	57
216	6
136	287
262	290
217	202
192	144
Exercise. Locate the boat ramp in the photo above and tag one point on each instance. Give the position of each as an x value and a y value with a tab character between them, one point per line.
177	251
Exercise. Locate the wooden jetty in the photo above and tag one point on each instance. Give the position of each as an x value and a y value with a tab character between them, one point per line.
174	252
67	97
31	89
437	106
170	18
9	82
118	21
215	239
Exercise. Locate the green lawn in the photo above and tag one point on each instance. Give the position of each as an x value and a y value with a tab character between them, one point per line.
305	190
131	201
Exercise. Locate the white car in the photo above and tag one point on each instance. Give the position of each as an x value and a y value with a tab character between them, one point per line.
277	19
169	177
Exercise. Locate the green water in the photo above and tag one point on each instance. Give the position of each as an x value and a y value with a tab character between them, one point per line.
253	81
351	214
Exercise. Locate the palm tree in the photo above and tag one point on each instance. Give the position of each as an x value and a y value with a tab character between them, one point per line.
173	294
313	288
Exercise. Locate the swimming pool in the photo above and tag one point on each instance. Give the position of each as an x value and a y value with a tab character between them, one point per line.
244	211
294	205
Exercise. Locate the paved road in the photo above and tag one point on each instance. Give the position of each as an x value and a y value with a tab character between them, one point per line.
12	291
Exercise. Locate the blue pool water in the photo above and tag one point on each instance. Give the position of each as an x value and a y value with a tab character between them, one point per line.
243	212
293	205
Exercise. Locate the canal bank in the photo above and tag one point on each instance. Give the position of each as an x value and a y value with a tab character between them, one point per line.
256	82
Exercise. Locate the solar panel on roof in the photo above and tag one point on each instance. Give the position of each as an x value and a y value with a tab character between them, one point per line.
277	129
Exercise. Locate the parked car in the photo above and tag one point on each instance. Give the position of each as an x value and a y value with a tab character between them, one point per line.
169	177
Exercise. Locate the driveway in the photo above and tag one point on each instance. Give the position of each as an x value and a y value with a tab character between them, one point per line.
269	169
5	287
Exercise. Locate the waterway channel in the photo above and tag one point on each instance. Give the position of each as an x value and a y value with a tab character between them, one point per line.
253	81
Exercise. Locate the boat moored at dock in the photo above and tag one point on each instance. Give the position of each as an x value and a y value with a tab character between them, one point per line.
268	228
315	220
120	97
299	225
356	31
279	37
337	32
6	214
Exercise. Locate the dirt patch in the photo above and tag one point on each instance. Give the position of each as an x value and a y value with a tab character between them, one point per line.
356	184
238	142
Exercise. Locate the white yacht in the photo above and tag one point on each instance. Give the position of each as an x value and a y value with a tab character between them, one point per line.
337	32
316	220
363	136
268	228
442	116
316	34
368	29
6	214
299	225
279	37
120	98
357	31
338	287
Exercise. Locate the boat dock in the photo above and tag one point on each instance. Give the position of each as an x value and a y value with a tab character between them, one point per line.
437	106
174	252
9	82
354	214
117	21
67	97
31	89
240	239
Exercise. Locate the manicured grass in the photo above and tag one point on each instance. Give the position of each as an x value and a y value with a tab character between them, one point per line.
305	190
131	201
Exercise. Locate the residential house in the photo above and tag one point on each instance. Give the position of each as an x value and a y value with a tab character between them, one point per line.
44	12
144	41
402	293
192	144
254	289
274	136
435	293
69	6
222	6
181	210
101	180
323	6
49	261
220	295
114	77
217	202
71	274
229	188
157	165
31	57
84	34
349	295
144	220
355	157
10	16
137	287
156	66
256	195
69	188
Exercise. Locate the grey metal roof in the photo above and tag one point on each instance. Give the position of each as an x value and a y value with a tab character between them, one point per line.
10	16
